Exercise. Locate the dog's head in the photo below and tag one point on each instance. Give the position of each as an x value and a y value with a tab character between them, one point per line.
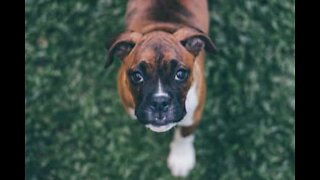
159	71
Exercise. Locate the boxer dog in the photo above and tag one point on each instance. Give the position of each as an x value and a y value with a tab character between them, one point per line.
161	80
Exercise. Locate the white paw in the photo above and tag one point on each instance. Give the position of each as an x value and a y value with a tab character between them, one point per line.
181	158
131	113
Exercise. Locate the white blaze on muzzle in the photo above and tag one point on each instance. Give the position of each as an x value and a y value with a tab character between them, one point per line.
160	91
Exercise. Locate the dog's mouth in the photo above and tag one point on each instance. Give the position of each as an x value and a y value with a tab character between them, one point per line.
160	128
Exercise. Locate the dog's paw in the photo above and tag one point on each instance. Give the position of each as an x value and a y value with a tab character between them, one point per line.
131	113
181	158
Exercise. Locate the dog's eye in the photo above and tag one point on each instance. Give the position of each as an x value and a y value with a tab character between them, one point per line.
181	75
136	77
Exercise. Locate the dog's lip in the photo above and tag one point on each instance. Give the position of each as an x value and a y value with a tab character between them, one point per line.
160	128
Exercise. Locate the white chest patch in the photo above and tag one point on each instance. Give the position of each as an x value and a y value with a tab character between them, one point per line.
191	105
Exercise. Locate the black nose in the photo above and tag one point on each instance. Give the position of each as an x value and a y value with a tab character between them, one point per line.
160	103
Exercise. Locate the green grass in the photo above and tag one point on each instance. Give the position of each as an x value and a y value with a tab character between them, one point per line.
76	128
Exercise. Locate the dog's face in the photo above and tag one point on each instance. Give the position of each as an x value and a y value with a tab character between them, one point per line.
159	77
158	68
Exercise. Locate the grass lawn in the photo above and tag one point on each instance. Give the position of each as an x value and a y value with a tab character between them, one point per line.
76	128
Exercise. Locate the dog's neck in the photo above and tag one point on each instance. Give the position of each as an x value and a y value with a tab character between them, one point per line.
166	15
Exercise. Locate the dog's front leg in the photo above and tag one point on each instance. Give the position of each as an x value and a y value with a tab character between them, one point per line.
181	159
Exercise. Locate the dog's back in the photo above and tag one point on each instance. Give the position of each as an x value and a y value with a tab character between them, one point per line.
147	15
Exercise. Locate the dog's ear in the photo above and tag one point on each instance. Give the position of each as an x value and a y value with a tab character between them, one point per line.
194	41
122	46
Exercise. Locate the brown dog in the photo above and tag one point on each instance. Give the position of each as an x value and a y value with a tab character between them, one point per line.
161	80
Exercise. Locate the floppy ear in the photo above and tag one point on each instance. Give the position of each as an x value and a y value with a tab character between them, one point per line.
194	41
122	46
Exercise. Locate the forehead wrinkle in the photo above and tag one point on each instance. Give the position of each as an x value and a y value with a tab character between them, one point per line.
157	37
158	49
